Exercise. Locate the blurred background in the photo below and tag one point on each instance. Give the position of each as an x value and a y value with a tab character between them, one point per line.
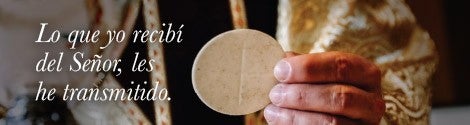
447	22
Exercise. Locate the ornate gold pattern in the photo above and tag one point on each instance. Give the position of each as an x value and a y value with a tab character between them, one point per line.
155	51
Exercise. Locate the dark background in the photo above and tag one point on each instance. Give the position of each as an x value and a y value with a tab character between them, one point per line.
446	21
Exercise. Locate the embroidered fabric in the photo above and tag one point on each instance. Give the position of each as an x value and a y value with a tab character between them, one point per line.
383	31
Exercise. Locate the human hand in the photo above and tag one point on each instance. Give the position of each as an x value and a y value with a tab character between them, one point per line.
326	88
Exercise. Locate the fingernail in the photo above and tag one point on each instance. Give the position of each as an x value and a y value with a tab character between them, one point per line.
282	70
276	94
270	113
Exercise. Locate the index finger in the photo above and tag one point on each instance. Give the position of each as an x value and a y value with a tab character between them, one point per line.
329	67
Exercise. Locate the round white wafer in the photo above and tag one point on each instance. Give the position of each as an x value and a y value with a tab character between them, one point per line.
233	72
